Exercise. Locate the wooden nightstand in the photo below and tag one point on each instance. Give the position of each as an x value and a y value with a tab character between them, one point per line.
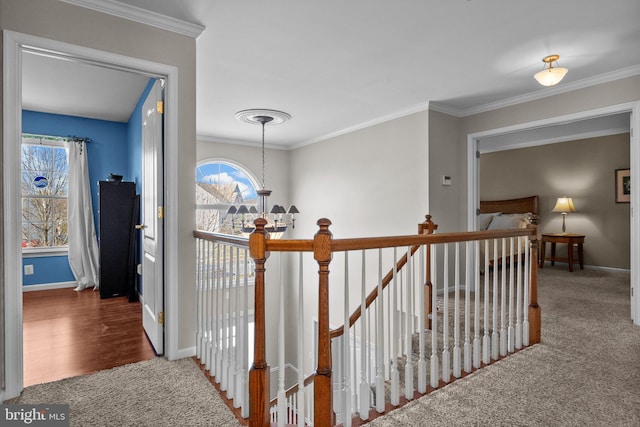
571	240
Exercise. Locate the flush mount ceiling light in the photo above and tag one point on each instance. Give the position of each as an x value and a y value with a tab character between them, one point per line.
550	76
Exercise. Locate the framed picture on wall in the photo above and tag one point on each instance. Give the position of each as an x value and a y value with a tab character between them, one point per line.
623	186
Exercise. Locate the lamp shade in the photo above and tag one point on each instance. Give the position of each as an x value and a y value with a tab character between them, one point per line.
550	76
564	205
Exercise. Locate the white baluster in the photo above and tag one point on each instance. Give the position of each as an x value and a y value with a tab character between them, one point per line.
232	327
446	356
422	363
495	336
238	350
207	310
199	296
223	314
282	399
364	383
245	338
380	340
511	336
219	294
525	297
486	342
518	344
457	362
346	360
408	368
395	374
434	376
503	300
301	335
467	307
476	306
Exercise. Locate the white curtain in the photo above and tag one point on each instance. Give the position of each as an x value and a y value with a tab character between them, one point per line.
83	244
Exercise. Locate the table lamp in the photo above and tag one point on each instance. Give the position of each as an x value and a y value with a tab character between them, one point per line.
564	205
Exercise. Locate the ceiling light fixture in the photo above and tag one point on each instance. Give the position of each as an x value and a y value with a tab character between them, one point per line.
550	76
280	217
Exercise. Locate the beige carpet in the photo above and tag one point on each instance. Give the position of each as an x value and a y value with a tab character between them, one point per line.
150	393
586	371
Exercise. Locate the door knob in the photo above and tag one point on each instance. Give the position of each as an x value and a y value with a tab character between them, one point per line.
140	226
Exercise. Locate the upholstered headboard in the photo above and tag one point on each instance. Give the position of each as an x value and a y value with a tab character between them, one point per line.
511	206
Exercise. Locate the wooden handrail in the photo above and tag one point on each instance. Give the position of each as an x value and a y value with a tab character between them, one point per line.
217	237
343	245
293	389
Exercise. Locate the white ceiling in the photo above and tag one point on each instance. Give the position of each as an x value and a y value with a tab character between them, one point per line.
337	65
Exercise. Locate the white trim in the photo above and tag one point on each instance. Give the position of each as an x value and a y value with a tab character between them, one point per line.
12	124
183	353
143	16
231	141
48	286
564	138
12	98
59	251
473	192
586	267
623	73
382	119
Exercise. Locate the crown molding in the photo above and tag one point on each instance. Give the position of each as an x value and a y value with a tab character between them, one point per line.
403	113
539	94
231	141
143	16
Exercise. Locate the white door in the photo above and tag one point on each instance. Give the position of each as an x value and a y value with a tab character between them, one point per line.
152	215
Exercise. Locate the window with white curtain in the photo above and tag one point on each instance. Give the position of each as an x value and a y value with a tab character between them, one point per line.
45	186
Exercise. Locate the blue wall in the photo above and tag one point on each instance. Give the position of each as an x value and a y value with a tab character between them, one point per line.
114	148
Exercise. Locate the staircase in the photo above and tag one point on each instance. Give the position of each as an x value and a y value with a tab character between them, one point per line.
355	372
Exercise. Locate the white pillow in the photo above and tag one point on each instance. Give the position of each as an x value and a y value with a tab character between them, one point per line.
508	221
484	219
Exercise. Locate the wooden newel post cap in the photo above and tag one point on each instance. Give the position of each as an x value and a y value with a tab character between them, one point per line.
322	241
428	226
324	224
257	240
260	223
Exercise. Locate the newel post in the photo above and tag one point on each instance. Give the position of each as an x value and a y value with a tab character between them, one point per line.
322	394
534	309
427	227
259	372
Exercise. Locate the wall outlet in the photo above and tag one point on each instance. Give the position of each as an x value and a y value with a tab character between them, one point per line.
28	269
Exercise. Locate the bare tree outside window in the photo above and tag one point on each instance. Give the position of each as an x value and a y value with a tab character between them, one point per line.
45	186
220	185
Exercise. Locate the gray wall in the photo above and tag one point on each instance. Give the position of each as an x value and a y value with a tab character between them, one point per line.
79	26
582	170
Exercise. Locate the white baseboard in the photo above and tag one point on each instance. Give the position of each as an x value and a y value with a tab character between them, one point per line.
588	267
48	286
186	352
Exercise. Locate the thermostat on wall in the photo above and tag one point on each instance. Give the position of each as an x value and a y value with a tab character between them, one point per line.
446	180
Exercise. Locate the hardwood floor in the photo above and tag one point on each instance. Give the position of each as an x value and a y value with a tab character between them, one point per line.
68	333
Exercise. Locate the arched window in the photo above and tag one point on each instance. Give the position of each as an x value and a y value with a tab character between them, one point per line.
219	185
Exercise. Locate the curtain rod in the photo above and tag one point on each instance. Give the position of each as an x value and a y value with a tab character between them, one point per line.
72	138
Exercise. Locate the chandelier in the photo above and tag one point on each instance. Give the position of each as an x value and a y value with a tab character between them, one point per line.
278	218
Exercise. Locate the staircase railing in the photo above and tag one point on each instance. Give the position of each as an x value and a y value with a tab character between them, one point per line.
443	309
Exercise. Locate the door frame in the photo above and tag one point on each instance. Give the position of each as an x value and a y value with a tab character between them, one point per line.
13	44
473	176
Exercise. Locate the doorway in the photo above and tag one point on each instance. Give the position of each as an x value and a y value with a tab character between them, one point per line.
14	44
633	109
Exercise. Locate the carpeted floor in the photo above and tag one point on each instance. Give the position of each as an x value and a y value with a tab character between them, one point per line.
586	371
150	393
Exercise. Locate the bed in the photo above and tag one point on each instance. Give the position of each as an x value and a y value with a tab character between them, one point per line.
506	214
